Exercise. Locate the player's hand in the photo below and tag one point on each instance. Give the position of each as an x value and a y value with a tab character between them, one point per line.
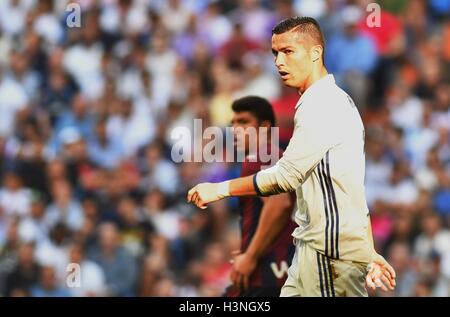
243	267
203	194
381	274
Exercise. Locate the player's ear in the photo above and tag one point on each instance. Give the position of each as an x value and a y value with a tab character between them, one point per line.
316	52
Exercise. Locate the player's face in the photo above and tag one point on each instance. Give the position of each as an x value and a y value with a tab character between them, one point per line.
242	122
292	58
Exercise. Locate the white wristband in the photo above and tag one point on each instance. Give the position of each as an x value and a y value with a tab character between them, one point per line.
223	189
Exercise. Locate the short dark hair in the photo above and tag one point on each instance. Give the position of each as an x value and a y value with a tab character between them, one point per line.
257	106
304	25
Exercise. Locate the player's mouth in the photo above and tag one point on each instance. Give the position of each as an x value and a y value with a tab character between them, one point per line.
283	74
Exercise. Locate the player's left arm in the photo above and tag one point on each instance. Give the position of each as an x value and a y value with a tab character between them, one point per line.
381	273
274	216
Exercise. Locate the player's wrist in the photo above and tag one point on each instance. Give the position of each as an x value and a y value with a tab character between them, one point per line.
223	189
377	258
253	252
254	256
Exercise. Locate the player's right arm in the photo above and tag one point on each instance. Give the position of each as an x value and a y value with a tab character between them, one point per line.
307	147
204	193
312	138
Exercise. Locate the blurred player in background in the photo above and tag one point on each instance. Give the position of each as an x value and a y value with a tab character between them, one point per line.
260	266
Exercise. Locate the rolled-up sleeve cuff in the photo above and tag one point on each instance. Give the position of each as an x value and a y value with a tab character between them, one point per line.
255	185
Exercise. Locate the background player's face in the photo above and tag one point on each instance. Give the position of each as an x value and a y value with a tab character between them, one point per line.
243	120
292	57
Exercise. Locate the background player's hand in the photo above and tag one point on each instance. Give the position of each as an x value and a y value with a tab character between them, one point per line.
381	274
204	193
243	267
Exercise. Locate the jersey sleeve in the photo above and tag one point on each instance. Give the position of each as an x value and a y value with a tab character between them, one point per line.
313	136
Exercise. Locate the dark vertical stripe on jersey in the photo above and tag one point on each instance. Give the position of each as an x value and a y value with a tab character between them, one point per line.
325	275
320	274
330	273
325	204
330	208
333	196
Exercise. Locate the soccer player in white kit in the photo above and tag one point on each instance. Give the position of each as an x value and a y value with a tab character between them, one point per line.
324	164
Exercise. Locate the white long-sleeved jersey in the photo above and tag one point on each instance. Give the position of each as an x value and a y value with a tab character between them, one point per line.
325	164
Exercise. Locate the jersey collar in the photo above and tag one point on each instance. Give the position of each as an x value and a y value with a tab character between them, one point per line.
327	80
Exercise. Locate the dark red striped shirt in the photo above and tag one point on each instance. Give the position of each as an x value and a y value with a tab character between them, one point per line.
282	250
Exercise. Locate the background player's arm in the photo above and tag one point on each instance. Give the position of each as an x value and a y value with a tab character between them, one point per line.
275	213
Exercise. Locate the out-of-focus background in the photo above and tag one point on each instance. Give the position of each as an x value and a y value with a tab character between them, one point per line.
86	115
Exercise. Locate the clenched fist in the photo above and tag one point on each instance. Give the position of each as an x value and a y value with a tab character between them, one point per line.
205	193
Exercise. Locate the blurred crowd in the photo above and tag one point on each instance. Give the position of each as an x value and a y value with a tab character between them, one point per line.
87	115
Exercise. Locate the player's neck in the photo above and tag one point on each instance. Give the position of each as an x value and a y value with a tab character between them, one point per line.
316	75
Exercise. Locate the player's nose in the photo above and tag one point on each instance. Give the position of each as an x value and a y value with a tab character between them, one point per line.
279	61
